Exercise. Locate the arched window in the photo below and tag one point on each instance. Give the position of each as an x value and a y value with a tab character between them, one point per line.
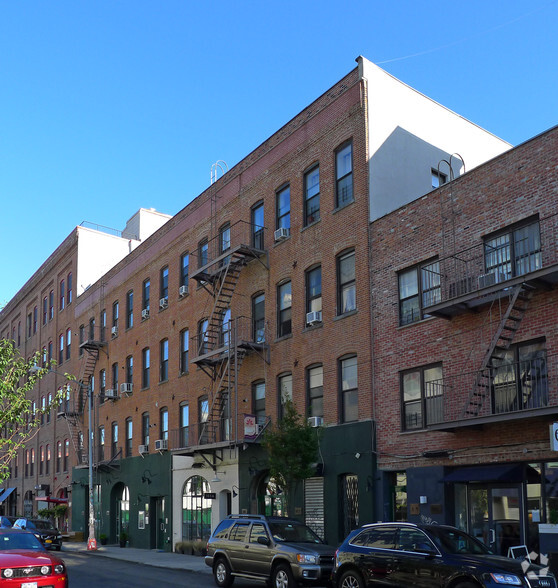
196	510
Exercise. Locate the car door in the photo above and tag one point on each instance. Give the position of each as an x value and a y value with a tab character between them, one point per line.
258	556
417	561
373	553
236	545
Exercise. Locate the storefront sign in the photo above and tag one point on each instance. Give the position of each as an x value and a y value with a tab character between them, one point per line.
554	437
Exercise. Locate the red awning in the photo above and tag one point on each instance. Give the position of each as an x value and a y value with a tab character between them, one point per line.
51	499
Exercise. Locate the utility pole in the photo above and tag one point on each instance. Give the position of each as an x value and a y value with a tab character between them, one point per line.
91	542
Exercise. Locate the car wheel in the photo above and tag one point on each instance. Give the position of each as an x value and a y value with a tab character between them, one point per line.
351	579
222	573
466	585
282	577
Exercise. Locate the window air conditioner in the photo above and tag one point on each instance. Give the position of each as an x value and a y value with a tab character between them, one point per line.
163	303
114	331
145	313
84	459
259	429
110	393
315	421
313	318
143	449
161	445
126	388
281	234
182	291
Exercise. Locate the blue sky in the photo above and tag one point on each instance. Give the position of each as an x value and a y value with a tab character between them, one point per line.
109	106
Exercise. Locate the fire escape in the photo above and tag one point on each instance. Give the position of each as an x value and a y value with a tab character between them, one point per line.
222	341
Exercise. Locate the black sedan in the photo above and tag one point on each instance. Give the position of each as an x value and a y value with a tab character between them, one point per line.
428	556
44	530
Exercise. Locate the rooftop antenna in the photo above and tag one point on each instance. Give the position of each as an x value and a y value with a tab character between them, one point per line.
218	165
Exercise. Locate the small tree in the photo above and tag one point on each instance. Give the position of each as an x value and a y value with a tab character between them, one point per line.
19	418
292	448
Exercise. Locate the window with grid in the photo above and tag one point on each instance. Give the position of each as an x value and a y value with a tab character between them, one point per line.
312	195
344	174
419	288
422	397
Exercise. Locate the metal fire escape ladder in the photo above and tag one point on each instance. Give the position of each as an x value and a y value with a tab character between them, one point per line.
501	341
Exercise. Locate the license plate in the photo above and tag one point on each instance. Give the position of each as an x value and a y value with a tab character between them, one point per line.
29	585
48	540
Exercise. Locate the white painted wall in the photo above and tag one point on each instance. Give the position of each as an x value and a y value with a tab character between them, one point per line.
410	134
144	223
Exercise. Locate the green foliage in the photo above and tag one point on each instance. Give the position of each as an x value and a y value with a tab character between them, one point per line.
19	419
46	513
292	448
60	510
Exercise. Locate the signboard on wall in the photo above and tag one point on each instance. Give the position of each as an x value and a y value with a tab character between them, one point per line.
554	437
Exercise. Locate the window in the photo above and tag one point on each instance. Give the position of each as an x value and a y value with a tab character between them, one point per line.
41	460
344	175
419	287
258	318
35	316
225	242
92	329
70	290
202	336
225	327
32	472
285	390
27	463
184	424
438	178
115	309
284	304
145	361
130	309
45	311
114	440
68	343
102	383
49	408
349	388
101	444
203	251
47	462
61	348
513	253
51	305
103	320
283	208
43	409
19	333
422	397
44	357
164	283
62	294
258	226
29	322
145	295
520	378
184	269
58	455
314	290
129	437
50	350
145	428
130	369
312	196
315	390
115	376
164	423
258	401
184	348
164	360
203	417
346	283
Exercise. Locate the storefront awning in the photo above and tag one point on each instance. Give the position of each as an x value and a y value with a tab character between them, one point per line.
51	499
495	473
6	493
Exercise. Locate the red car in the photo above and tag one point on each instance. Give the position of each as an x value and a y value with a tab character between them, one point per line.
25	563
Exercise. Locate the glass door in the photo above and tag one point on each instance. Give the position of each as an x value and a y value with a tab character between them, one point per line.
495	516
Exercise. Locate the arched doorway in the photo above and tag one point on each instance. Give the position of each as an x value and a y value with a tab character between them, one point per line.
196	510
120	511
270	497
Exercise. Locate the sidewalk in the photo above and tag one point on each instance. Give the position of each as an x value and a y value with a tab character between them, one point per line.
148	557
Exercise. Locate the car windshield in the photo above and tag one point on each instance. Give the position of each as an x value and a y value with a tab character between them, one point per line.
26	541
291	532
457	542
43	525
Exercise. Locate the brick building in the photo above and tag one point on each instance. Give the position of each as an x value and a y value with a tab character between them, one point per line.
257	291
465	335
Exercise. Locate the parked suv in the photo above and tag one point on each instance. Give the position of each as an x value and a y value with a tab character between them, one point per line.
49	535
428	556
279	550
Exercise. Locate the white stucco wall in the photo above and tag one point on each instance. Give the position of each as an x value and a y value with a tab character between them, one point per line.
144	223
409	135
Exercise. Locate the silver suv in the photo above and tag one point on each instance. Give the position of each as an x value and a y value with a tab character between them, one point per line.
279	550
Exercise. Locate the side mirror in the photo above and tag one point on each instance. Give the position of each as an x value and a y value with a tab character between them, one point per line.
263	540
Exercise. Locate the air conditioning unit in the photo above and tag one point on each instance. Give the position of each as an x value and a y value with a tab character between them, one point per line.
161	445
126	388
182	291
259	429
313	318
143	449
110	393
315	421
164	302
84	459
114	331
490	279
145	313
281	234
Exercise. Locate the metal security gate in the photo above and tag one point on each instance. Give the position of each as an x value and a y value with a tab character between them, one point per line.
314	505
349	496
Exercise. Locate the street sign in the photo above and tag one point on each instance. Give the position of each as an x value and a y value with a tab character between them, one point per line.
210	495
